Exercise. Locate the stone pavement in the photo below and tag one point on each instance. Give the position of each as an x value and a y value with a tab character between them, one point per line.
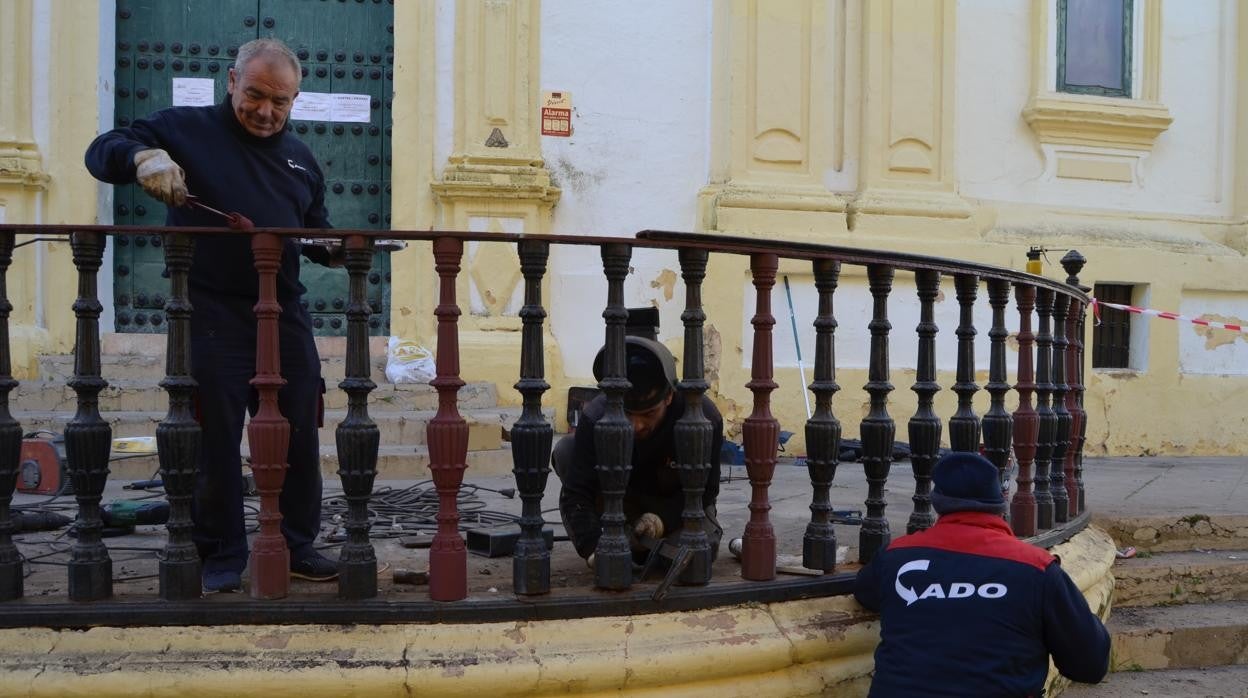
1116	487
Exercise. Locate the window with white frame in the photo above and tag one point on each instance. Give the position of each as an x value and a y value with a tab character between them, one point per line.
1094	46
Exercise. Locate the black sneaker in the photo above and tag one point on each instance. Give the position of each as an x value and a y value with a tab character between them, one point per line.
314	568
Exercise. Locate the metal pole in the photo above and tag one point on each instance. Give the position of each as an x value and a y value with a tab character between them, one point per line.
801	368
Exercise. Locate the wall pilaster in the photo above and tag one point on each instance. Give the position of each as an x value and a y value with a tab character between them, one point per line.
495	179
778	126
907	125
21	167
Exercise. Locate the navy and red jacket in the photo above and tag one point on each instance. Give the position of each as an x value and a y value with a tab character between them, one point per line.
966	609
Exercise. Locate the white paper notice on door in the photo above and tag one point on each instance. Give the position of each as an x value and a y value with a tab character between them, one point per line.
312	106
194	92
353	108
332	106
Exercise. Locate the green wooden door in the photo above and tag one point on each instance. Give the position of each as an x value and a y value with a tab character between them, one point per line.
345	46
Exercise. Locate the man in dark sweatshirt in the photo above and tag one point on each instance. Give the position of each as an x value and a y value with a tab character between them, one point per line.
653	499
238	156
966	609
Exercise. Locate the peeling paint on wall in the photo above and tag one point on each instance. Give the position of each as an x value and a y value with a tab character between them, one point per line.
1215	337
666	280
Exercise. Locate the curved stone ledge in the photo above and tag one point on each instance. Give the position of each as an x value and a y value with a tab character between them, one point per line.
807	647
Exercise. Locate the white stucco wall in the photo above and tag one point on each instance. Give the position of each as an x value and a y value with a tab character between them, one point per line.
999	158
639	75
1207	350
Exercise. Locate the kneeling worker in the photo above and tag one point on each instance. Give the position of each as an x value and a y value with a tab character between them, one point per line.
966	609
653	500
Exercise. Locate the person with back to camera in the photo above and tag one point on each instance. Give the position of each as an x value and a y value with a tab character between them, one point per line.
653	500
238	156
966	609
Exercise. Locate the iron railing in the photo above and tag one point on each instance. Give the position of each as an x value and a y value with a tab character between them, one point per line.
1045	438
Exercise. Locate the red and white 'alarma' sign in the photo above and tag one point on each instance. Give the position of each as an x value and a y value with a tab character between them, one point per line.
556	113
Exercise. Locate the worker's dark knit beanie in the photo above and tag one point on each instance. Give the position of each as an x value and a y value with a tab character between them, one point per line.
966	482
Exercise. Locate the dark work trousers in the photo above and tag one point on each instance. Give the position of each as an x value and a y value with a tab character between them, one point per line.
223	362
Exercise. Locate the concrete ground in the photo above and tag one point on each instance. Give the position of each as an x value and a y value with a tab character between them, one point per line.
1115	487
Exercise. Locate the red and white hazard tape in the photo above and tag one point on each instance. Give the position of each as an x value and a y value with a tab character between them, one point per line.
1096	313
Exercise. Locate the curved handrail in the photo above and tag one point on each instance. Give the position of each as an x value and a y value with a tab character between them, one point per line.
646	239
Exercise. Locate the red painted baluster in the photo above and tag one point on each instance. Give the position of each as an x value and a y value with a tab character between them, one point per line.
1026	419
268	432
761	430
448	434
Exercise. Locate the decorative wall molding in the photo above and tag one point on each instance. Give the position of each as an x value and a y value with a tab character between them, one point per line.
22	166
1106	122
908	111
1076	121
778	128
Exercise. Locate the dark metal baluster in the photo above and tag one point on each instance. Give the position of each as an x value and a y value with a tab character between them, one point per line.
1073	354
761	431
447	434
179	436
11	578
1046	417
998	426
694	433
924	426
1073	263
1061	433
877	428
357	436
532	433
964	425
268	432
88	438
613	434
1026	422
823	430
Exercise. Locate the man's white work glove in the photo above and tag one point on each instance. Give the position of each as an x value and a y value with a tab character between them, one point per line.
648	526
160	176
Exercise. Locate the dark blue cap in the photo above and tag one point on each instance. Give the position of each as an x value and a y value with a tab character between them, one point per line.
963	481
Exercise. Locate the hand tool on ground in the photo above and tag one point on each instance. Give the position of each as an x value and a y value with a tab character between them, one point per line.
31	521
678	557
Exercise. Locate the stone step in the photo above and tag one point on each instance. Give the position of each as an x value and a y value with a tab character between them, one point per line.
145	394
1180	637
1172	533
485	425
1212	682
1158	579
393	463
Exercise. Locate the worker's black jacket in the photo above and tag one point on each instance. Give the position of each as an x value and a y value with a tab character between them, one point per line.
966	609
653	485
274	181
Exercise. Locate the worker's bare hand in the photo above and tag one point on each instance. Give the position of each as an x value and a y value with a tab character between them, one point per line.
648	526
160	176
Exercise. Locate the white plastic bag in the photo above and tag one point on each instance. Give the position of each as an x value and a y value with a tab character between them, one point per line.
409	362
